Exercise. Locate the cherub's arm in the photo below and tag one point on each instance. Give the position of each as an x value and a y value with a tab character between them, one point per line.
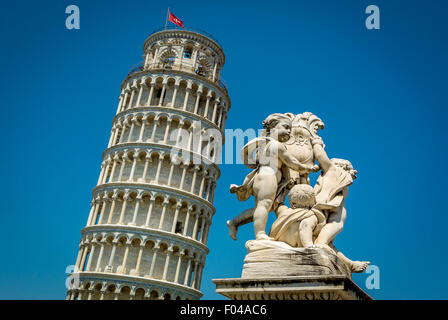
290	161
321	156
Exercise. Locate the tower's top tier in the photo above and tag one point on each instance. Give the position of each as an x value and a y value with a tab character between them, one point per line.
184	50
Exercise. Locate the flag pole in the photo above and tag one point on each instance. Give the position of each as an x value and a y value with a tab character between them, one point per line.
167	14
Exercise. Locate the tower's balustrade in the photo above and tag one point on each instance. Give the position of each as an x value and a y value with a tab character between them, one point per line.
146	235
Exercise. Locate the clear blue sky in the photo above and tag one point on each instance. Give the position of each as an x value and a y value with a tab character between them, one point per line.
381	93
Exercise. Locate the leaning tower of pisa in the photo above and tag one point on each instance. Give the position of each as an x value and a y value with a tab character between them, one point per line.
146	235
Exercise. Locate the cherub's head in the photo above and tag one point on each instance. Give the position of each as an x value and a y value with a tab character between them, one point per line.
346	165
302	196
278	126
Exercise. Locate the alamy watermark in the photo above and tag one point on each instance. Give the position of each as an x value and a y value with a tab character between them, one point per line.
73	20
72	281
205	145
373	20
373	280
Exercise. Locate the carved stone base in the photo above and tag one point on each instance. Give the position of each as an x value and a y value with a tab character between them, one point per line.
273	270
291	288
266	259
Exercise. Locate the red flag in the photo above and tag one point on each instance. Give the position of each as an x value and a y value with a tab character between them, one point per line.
176	20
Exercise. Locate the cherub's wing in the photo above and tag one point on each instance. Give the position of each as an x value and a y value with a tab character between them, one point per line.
250	152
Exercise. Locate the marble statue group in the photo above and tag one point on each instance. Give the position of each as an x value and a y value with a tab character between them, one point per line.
281	161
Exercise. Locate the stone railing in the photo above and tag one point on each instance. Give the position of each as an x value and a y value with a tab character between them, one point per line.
139	67
198	31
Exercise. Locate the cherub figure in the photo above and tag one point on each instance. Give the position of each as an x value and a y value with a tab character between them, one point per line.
270	177
331	190
300	224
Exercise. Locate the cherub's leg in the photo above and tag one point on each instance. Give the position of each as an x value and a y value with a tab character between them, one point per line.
264	190
262	208
334	225
244	217
306	228
354	266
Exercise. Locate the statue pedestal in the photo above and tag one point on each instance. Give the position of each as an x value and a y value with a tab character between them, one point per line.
273	270
291	288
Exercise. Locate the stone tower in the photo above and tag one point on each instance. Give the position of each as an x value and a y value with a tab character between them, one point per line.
146	235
